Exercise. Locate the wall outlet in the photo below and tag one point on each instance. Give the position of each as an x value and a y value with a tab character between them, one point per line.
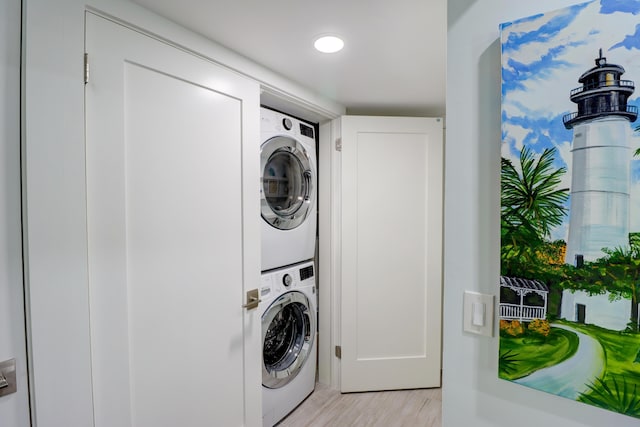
478	313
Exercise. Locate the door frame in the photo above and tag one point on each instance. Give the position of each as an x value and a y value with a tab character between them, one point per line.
329	252
54	216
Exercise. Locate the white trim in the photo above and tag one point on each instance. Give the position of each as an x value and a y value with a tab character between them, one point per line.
273	84
324	255
336	250
329	255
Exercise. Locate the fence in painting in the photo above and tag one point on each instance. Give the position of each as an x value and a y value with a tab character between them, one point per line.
522	313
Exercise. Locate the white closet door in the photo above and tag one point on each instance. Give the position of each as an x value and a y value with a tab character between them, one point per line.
173	234
391	253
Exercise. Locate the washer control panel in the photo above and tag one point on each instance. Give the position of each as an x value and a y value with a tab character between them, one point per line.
279	281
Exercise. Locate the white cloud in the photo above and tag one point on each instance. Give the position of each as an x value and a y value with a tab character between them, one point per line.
515	135
508	154
511	108
564	152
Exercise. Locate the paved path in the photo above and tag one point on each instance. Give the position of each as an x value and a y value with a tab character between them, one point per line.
570	378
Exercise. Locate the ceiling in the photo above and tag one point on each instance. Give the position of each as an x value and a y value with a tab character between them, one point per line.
393	62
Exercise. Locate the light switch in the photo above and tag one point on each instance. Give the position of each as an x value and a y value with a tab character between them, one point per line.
478	313
477	317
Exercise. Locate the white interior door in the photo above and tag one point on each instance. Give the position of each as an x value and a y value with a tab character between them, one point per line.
391	253
172	181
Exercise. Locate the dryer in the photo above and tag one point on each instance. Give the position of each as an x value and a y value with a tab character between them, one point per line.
289	317
288	189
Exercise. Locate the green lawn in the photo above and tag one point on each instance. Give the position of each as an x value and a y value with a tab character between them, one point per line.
619	387
522	356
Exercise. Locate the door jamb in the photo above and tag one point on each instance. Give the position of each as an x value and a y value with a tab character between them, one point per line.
329	255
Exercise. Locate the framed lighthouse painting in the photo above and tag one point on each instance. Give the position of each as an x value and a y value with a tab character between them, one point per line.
570	204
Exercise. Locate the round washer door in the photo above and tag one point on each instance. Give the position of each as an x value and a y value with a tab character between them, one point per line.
287	182
288	331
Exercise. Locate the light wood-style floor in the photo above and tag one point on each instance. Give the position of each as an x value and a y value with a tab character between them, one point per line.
402	408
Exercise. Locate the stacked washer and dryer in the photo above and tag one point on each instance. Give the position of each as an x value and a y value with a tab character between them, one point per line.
288	291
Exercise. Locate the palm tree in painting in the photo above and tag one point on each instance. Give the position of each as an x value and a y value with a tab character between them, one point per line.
530	197
531	203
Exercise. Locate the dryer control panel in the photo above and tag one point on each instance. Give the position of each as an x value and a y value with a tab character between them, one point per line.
273	121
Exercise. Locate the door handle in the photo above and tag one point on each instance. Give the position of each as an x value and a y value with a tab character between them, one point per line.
8	377
253	299
307	180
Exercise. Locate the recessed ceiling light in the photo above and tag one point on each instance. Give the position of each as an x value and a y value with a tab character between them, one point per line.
328	44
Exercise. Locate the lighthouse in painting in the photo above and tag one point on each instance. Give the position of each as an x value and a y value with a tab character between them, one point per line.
599	214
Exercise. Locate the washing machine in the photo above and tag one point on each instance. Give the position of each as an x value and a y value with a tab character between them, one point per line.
288	190
289	334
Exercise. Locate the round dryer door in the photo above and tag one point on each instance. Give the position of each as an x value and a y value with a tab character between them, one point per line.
287	182
288	331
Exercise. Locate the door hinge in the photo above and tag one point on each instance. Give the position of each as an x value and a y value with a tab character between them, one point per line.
338	144
339	352
86	68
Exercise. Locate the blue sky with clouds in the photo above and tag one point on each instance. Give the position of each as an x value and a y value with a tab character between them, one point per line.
542	58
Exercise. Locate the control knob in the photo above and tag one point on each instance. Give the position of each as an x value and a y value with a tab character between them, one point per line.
287	280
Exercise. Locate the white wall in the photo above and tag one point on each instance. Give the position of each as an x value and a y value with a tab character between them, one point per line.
14	408
472	393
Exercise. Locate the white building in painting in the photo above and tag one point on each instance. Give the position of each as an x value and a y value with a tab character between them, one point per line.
601	153
596	310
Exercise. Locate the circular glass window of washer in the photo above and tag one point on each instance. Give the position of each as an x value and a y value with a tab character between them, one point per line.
286	345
